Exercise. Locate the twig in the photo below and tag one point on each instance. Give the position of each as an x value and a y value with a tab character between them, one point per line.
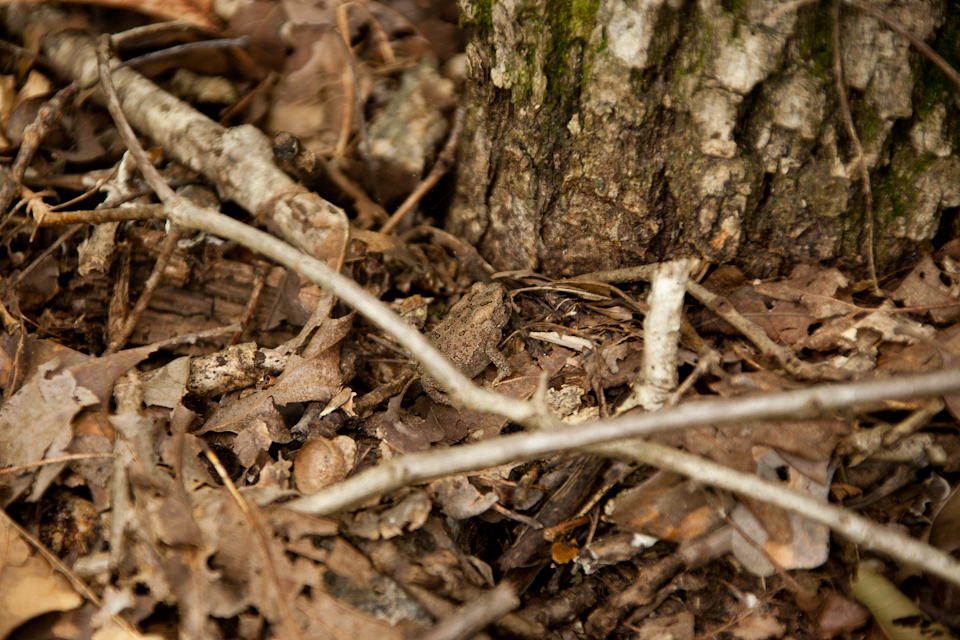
66	235
603	620
855	528
96	216
368	211
661	337
618	276
57	460
193	338
261	536
16	50
166	252
800	404
473	617
78	584
376	29
309	167
187	47
48	115
259	279
353	95
921	46
444	161
861	159
784	355
469	259
86	194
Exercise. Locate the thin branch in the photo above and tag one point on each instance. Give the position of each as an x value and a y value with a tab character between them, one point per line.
64	458
79	585
96	216
86	194
261	536
861	159
860	530
180	50
166	252
661	337
353	95
442	165
477	614
921	46
66	235
48	115
784	355
800	404
260	269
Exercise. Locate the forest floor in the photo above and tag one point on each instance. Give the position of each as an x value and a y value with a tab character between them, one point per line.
198	441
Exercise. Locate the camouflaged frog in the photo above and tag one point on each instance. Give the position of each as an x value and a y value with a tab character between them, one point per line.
469	334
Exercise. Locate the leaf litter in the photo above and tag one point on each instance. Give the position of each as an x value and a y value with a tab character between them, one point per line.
127	527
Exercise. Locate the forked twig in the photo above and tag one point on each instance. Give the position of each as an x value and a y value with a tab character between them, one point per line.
48	115
166	252
599	435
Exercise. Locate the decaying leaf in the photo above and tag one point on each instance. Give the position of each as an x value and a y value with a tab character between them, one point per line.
29	586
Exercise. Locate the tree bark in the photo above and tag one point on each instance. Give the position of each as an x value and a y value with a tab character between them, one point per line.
611	133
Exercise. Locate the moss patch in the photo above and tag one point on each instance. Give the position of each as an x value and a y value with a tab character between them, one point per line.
570	23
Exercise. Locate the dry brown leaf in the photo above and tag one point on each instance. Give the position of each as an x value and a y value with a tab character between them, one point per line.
36	422
309	100
408	514
925	287
316	379
812	286
667	506
678	626
236	415
459	499
29	586
759	626
787	539
196	12
40	285
564	551
839	614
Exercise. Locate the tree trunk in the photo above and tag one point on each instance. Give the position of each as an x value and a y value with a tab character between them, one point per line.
605	133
